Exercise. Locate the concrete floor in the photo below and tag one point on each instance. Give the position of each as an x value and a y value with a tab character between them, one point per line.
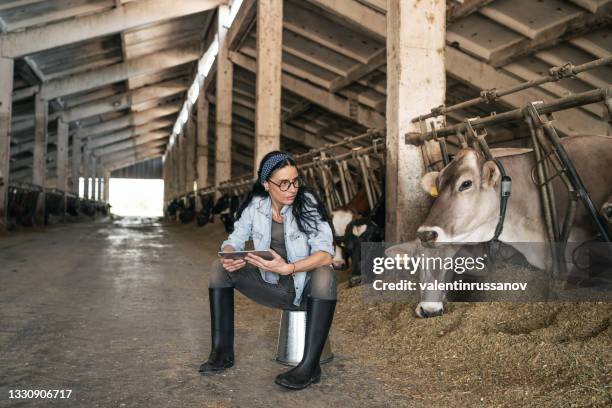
118	313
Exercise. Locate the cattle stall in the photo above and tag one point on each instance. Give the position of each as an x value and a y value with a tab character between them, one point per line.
428	129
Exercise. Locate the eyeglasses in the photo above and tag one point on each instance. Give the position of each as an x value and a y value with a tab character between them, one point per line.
284	185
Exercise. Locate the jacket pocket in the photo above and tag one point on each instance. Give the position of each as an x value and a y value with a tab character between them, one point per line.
299	244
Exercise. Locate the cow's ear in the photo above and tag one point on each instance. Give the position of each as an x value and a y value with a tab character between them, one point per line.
490	174
429	182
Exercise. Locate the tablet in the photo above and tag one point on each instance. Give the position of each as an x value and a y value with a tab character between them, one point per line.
267	255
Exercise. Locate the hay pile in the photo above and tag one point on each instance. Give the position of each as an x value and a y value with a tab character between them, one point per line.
484	354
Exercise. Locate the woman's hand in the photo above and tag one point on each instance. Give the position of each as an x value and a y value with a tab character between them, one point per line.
231	265
277	264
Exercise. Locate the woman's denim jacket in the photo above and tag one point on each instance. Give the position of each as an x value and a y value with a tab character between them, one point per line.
256	223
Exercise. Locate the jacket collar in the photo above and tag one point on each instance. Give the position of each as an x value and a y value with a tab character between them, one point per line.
264	205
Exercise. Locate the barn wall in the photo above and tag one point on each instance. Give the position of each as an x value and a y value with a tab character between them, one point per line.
150	169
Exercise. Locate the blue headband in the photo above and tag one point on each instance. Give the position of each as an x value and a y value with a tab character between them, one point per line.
269	164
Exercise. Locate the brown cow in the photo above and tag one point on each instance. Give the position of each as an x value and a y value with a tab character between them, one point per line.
468	202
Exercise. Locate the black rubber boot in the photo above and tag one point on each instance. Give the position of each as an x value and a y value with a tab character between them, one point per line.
222	330
319	317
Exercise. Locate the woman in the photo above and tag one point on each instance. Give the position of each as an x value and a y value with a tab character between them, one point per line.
282	215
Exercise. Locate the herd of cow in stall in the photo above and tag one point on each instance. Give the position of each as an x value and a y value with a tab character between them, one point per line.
22	202
352	223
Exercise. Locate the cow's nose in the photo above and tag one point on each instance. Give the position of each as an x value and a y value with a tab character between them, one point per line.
427	235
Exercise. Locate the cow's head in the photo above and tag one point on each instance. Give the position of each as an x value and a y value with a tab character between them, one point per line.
467	205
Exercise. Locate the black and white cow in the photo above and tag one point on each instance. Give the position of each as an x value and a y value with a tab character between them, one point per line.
205	215
366	229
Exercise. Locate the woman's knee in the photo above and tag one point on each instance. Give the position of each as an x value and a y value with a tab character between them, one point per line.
323	283
219	277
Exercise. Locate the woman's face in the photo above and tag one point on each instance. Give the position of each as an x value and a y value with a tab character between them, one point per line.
284	174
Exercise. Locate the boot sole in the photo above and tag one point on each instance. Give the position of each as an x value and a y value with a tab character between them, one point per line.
293	387
216	369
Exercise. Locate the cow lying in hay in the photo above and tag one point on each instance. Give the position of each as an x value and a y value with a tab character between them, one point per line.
467	206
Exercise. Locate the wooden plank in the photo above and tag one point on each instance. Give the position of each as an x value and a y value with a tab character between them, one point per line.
9	4
532	19
597	43
328	33
460	9
482	38
356	15
298	67
119	72
529	69
591	5
359	71
483	76
50	11
132	15
598	78
128	133
126	100
132	119
242	24
139	140
321	97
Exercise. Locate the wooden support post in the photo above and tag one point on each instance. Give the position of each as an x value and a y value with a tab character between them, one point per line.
6	91
39	165
62	160
415	79
76	163
269	53
223	145
62	155
190	154
202	147
92	175
177	168
99	173
106	185
86	172
170	161
182	144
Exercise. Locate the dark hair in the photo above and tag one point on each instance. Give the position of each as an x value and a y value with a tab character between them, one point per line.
306	208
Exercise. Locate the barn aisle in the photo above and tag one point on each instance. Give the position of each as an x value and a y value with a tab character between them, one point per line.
117	311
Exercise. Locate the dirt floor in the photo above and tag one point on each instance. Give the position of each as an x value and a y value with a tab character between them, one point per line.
118	312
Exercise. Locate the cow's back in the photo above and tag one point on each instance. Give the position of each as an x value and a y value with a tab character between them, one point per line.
592	158
591	155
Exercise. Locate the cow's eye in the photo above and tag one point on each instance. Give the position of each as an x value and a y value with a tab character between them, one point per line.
465	185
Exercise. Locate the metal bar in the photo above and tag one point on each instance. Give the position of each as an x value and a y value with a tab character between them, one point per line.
556	73
585	197
584	98
369	134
